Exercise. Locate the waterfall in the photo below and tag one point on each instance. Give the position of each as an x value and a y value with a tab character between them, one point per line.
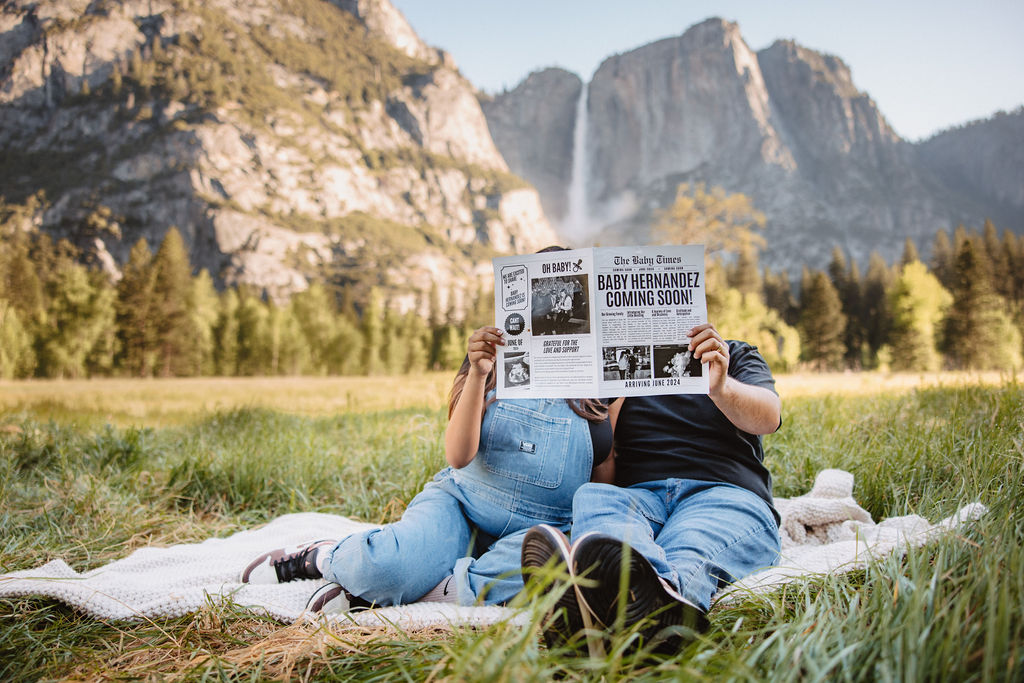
576	225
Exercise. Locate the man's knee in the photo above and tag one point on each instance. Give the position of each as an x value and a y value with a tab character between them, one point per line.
595	498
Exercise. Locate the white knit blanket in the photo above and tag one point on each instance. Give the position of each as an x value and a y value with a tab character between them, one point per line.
824	531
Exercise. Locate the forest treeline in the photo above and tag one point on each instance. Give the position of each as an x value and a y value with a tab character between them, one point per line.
61	318
962	308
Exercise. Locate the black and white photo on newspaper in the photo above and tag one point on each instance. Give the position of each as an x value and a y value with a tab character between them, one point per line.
600	322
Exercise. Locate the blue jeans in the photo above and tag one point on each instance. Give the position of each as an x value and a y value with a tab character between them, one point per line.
534	454
698	535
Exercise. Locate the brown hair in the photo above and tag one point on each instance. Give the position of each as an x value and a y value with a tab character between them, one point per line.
587	408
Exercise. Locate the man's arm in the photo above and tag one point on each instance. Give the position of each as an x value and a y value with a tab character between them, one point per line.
755	410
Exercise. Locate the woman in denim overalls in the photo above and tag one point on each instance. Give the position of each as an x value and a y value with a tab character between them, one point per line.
516	467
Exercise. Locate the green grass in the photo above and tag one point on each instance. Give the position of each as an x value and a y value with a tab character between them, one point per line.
90	493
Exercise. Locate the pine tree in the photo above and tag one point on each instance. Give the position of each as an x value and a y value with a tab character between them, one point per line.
910	254
978	245
435	321
21	284
393	353
1014	249
942	259
418	346
289	354
203	307
78	312
17	357
295	355
172	283
821	322
875	320
978	333
102	357
778	295
960	235
918	304
346	349
254	342
453	347
373	333
314	311
1000	260
135	319
744	274
846	279
225	334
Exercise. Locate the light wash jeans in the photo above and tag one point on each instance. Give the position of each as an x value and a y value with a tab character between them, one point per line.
698	535
533	456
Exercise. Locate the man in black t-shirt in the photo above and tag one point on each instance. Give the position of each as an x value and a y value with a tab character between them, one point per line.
691	510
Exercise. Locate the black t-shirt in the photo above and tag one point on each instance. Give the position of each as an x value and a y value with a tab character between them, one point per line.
686	436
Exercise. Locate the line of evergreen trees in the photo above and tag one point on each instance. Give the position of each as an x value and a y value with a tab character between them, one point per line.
61	318
963	309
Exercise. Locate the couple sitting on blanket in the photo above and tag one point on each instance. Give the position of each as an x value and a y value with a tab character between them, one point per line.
690	509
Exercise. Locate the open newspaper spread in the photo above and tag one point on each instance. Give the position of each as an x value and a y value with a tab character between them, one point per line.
600	322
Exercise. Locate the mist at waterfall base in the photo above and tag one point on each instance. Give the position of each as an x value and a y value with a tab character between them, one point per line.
584	221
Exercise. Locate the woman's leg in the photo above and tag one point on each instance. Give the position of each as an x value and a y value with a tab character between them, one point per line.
400	562
496	576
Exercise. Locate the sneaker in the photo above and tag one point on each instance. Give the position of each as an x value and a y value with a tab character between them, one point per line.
601	558
331	598
546	548
282	565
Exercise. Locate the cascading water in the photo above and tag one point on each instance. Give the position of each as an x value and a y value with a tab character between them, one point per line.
576	227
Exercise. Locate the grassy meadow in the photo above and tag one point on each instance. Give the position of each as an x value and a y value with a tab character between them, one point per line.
90	471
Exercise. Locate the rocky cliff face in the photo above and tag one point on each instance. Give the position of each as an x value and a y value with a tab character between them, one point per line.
287	141
533	128
786	126
857	182
674	106
986	158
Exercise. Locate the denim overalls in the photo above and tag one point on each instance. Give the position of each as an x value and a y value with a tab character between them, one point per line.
533	455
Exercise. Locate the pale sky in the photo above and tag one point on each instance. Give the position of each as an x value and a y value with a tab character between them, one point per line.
928	65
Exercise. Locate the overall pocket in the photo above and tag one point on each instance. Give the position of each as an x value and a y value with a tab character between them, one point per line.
526	445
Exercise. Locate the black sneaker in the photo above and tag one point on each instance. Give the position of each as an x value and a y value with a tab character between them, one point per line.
282	565
331	598
545	559
600	559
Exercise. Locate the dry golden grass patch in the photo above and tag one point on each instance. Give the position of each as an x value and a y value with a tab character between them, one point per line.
863	383
162	402
210	642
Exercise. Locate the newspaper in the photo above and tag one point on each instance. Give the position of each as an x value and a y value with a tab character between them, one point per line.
600	322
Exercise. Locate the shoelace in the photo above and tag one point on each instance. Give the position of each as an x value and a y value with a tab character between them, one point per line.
298	565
